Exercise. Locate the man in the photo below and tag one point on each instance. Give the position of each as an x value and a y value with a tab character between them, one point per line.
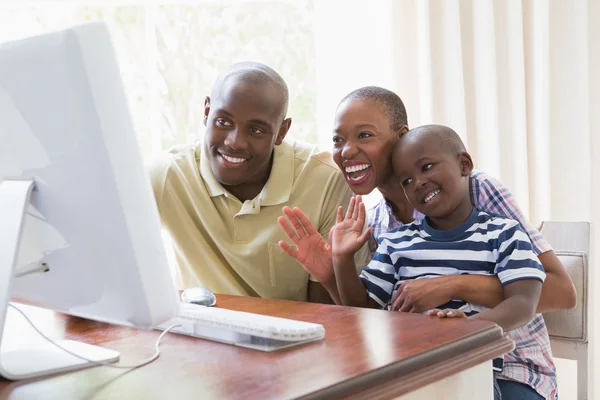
219	199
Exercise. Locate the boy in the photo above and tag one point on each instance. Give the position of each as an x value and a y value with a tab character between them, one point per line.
433	168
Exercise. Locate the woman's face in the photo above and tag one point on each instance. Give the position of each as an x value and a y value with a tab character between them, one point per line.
362	144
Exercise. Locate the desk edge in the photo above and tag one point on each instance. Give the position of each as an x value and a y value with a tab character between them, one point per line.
420	370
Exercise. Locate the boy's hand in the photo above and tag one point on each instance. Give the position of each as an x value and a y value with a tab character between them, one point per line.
312	252
347	237
447	313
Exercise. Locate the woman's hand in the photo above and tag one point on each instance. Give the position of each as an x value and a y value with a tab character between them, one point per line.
347	237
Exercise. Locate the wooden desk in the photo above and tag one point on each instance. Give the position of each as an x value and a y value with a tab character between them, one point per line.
366	354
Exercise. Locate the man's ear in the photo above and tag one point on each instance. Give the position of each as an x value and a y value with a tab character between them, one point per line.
206	109
403	129
466	163
283	130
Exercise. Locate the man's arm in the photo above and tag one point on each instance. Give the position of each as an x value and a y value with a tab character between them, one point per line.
312	250
317	293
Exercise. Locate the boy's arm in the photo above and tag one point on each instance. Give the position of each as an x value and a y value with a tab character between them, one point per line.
522	275
518	308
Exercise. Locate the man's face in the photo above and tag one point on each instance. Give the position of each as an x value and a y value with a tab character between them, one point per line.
362	144
435	180
244	122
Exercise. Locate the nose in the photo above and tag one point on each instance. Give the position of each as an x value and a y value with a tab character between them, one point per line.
349	150
420	181
236	139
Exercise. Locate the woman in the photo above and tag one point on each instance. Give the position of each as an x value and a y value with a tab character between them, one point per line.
368	122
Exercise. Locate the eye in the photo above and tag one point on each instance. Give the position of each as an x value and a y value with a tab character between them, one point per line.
256	131
337	139
364	135
407	181
427	167
222	122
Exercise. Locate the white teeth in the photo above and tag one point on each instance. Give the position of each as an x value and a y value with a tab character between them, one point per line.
357	178
356	168
431	195
234	160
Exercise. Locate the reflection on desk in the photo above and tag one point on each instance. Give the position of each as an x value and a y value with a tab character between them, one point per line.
366	353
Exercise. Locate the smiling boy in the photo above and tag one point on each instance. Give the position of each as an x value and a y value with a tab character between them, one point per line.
219	198
454	238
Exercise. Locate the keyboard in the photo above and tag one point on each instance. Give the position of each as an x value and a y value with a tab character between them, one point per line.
256	331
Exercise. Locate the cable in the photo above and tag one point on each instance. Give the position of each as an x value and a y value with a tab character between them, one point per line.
102	363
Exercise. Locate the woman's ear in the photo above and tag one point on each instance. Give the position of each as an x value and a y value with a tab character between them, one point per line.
466	163
403	129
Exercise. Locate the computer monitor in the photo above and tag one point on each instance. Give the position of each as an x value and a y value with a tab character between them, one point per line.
75	200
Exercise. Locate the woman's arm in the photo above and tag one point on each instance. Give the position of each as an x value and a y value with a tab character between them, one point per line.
490	195
515	311
423	294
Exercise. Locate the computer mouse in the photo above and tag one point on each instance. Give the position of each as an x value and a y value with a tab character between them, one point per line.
199	295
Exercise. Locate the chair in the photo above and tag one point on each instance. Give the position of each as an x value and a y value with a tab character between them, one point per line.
569	329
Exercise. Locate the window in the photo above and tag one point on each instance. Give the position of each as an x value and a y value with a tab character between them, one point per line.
170	55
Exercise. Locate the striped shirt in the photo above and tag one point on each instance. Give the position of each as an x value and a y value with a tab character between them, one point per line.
531	362
483	245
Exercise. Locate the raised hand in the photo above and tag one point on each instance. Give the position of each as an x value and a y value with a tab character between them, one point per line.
312	251
347	237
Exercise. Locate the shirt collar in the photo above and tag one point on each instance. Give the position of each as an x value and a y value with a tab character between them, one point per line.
279	185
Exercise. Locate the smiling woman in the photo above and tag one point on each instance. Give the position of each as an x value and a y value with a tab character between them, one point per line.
367	123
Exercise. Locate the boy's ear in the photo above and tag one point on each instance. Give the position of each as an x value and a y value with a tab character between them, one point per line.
206	109
283	130
466	163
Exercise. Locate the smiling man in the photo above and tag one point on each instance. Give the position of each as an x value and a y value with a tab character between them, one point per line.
220	198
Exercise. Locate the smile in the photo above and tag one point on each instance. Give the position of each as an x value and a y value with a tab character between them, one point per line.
233	160
431	196
357	173
356	168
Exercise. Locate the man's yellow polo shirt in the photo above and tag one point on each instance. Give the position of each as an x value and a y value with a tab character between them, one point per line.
232	247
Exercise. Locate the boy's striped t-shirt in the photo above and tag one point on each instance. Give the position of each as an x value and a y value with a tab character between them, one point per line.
484	244
475	249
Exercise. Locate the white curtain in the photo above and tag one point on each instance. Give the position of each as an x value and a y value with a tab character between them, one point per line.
519	80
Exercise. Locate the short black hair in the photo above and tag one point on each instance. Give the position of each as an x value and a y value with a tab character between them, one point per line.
389	101
253	72
449	139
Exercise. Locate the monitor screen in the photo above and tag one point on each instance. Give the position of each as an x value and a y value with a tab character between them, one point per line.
92	218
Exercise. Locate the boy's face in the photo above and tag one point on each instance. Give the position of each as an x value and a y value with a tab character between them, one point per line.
244	122
362	144
435	181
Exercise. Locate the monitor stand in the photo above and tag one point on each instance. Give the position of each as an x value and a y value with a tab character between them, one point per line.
43	359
